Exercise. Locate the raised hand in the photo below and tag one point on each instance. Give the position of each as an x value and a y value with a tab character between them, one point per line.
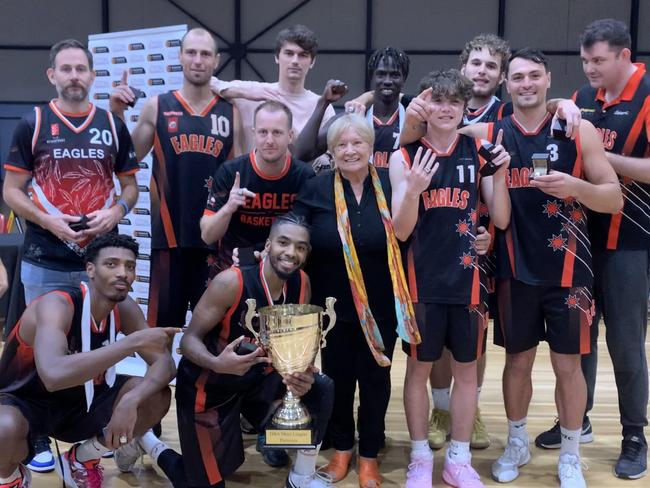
121	96
418	177
238	195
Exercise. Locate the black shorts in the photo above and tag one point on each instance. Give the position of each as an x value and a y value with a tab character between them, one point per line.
177	281
208	410
460	328
66	418
527	314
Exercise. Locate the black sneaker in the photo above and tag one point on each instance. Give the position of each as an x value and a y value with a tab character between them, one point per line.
552	438
632	464
276	458
246	426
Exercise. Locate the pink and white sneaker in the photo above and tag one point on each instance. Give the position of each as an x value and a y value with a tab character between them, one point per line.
461	475
419	473
78	474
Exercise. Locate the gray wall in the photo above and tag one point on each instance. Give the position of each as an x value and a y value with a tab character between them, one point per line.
29	27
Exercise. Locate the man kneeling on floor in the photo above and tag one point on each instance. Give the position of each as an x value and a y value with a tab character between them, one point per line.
217	380
57	371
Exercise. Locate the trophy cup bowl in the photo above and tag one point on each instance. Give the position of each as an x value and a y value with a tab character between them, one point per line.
292	335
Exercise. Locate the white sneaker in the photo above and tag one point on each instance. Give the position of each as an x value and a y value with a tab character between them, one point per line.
569	470
317	479
506	468
126	456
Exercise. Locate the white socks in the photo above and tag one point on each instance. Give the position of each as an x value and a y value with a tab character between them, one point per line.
152	445
440	398
421	449
478	394
517	428
91	449
570	441
305	464
458	452
13	476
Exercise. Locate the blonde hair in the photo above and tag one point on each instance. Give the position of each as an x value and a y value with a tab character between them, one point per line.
350	121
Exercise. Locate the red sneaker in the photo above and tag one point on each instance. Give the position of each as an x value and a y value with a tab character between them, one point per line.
22	481
78	474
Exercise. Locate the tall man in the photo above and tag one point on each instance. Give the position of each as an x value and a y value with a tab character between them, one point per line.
248	193
544	273
57	373
192	133
617	102
68	150
295	55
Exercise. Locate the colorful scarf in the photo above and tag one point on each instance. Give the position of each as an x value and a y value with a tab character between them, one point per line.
406	326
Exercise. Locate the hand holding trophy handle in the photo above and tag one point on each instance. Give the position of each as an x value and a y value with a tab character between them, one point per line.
329	311
250	315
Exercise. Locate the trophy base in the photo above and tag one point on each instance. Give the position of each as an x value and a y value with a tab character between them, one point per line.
289	438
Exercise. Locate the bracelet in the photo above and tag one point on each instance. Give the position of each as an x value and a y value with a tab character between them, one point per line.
124	205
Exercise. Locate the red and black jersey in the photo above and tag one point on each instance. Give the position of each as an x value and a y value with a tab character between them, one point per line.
72	159
274	195
233	325
624	124
18	374
386	139
441	262
547	242
188	148
493	111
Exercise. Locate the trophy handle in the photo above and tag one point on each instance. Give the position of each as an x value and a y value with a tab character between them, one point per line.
250	315
329	311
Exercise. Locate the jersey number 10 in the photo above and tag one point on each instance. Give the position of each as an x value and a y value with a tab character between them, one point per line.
220	125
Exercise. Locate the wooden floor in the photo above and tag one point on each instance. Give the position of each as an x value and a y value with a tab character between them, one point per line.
599	456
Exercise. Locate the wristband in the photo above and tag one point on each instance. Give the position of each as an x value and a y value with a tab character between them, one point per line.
124	205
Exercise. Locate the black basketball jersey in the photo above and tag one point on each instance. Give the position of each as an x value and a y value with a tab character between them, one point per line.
441	262
233	325
188	148
493	111
386	139
274	195
624	125
72	159
18	374
547	242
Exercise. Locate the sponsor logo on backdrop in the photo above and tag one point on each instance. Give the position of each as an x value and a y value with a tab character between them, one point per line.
100	49
136	46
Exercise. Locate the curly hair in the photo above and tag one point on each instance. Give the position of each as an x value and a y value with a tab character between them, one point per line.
110	240
449	84
399	58
493	43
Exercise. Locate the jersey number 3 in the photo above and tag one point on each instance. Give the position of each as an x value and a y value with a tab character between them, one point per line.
552	152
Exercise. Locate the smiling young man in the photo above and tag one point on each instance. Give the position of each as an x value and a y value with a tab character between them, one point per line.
192	133
544	271
248	193
435	209
57	371
295	55
617	101
217	380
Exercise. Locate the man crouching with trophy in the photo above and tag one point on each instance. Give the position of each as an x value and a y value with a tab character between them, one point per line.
223	371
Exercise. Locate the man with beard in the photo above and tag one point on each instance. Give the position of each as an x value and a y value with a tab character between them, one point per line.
617	101
68	150
388	69
248	193
218	378
192	133
57	371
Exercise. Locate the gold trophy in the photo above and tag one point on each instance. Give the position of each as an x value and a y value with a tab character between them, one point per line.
291	334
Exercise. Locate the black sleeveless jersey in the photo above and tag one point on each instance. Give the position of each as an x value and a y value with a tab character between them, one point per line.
274	195
188	148
233	325
547	242
386	139
624	125
72	159
18	374
442	265
493	111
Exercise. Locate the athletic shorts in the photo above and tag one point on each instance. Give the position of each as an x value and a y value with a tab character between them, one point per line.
460	328
65	417
177	281
208	410
527	314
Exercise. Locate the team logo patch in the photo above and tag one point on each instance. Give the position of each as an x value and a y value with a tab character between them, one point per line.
54	129
172	124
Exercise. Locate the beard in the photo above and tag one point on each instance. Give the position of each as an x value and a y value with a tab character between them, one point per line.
283	275
74	96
